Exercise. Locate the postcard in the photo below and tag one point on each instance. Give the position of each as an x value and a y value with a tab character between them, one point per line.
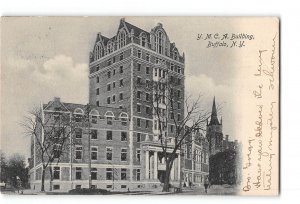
140	105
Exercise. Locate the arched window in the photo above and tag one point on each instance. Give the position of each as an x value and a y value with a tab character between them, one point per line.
110	47
175	55
99	51
78	114
143	39
160	42
121	39
109	117
124	118
94	112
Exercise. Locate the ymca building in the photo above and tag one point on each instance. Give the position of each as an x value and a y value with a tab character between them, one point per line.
121	140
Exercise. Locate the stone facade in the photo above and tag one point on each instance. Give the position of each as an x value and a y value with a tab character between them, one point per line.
121	71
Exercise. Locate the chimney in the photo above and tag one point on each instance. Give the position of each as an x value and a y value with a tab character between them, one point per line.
159	24
57	99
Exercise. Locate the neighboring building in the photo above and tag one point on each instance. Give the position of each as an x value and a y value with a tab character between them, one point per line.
196	159
121	71
224	154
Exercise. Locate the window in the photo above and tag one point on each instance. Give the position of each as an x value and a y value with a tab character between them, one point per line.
108	74
114	59
114	72
78	133
138	137
159	73
123	154
147	70
147	83
110	47
147	124
114	84
155	72
108	62
56	187
121	56
138	155
139	53
109	120
114	98
99	51
147	57
108	100
138	94
160	42
172	67
108	186
175	55
139	80
94	134
108	135
178	117
121	69
124	186
94	119
109	173
78	152
147	97
78	171
108	153
178	93
94	153
138	121
138	108
121	40
148	110
97	103
121	83
123	136
138	174
172	116
94	173
172	128
155	124
143	41
178	81
139	66
78	186
178	105
97	68
121	96
57	150
123	174
97	79
124	118
108	88
156	60
56	172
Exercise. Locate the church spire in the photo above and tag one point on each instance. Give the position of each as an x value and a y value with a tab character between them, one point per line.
214	116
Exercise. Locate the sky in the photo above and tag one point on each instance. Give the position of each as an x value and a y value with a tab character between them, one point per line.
45	57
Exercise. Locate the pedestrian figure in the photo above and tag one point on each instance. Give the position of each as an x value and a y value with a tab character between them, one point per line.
206	183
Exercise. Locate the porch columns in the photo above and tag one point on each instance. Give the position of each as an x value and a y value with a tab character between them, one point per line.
155	165
147	165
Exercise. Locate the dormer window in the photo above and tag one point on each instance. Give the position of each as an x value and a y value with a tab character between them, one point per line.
99	51
110	47
121	39
160	42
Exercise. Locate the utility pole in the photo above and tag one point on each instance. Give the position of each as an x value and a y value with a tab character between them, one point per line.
89	143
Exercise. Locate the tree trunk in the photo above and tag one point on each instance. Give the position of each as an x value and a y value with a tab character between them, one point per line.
43	179
51	177
166	187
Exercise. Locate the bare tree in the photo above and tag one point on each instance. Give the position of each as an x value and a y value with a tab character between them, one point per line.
190	117
51	132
